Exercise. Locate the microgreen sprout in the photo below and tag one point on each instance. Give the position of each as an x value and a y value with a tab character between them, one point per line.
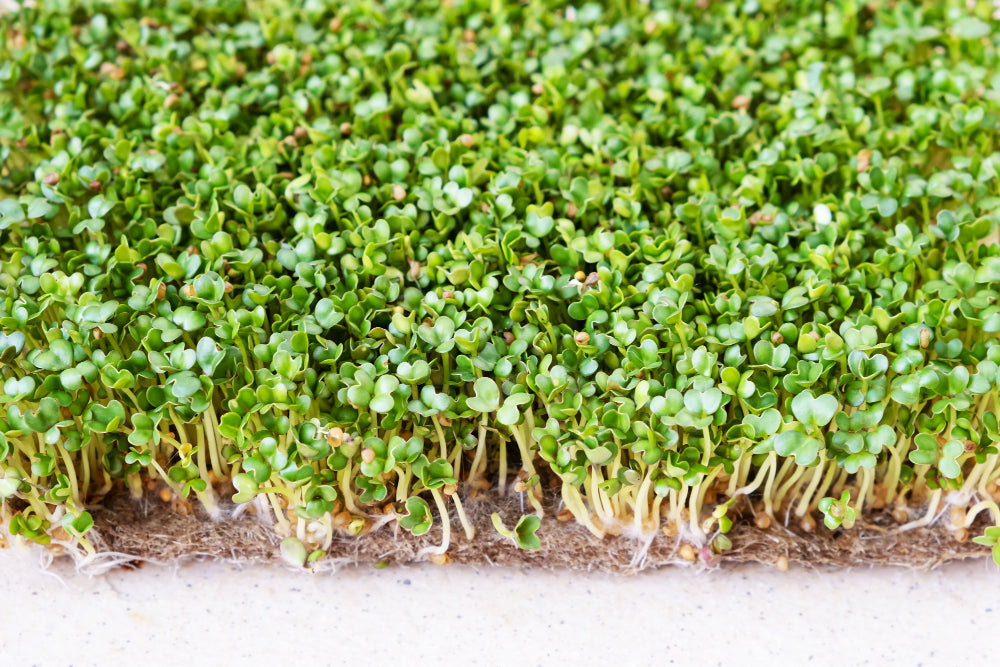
523	533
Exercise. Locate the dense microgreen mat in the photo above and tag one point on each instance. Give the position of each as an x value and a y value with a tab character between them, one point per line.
636	264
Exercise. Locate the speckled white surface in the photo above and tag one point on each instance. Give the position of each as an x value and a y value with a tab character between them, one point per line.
216	614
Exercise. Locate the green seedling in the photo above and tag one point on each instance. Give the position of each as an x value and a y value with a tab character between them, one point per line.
524	531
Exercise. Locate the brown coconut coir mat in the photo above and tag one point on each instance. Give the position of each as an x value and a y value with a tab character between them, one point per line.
148	530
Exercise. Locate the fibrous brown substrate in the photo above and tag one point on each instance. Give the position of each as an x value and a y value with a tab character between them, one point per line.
149	530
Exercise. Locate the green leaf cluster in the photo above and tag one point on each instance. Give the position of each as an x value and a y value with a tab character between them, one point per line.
348	264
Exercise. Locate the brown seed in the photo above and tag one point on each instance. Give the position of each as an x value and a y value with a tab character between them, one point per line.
95	185
227	287
957	516
537	89
441	559
741	102
170	100
571	211
469	35
271	58
582	338
366	180
592	279
925	338
777	338
564	516
864	159
161	290
17	38
97	333
900	515
188	291
368	455
241	70
520	487
21	143
122	46
580	276
300	132
649	27
467	140
614	530
3	542
669	529
149	22
414	271
961	535
112	71
762	521
448	294
166	495
399	194
781	564
336	24
687	552
808	524
444	421
51	179
345	128
449	489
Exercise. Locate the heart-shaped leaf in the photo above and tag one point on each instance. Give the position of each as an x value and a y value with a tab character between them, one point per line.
814	411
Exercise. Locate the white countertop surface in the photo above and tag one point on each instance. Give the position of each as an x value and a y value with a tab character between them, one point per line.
207	613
